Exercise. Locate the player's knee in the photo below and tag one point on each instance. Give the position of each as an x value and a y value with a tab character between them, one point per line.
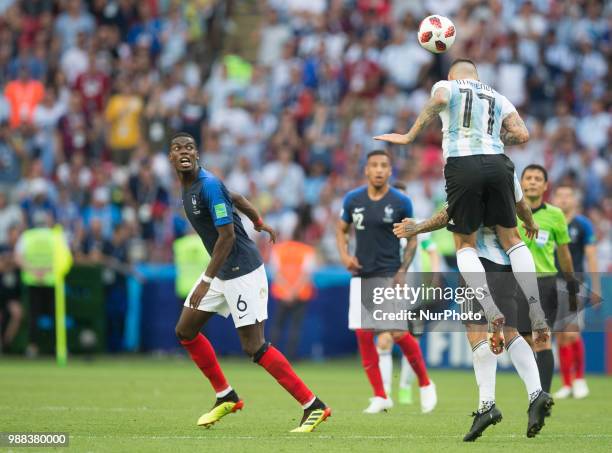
184	333
384	341
508	237
251	348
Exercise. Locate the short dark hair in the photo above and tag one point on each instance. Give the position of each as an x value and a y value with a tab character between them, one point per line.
380	152
462	60
399	185
535	167
182	134
564	185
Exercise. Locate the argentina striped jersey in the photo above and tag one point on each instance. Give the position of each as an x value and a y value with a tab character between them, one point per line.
472	119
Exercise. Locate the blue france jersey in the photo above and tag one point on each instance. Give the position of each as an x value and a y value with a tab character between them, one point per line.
472	120
487	243
378	249
208	205
581	233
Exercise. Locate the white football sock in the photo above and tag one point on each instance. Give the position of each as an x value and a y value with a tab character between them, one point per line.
485	366
525	364
524	271
406	374
473	273
385	363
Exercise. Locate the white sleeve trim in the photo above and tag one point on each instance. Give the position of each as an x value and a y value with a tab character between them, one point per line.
441	84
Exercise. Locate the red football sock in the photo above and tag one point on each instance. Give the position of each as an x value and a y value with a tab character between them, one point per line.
279	367
203	354
578	349
565	364
369	359
412	351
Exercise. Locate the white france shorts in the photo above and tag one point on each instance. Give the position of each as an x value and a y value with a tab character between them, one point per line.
245	297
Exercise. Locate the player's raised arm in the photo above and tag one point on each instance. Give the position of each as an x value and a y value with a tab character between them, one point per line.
247	208
438	102
514	131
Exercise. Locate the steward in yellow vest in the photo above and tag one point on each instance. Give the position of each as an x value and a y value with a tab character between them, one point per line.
44	258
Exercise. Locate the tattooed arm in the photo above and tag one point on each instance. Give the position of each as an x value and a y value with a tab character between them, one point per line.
514	130
408	228
434	106
523	211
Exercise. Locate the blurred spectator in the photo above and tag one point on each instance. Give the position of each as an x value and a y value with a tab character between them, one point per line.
272	36
12	154
73	20
117	269
323	136
593	130
102	210
11	308
93	86
405	60
10	217
36	67
38	208
75	60
174	37
23	95
284	179
89	249
123	114
46	118
74	127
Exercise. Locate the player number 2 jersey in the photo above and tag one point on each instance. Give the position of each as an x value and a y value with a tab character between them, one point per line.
472	120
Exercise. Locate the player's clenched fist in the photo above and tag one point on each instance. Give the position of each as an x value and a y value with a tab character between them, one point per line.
198	294
406	229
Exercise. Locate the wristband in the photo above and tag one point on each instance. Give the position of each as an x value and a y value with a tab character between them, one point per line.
207	279
258	222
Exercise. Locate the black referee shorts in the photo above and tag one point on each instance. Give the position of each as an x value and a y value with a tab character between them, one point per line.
480	190
504	290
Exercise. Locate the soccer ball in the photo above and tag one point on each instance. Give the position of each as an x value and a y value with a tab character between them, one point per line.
437	33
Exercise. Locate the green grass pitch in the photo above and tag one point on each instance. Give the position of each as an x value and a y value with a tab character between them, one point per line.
151	405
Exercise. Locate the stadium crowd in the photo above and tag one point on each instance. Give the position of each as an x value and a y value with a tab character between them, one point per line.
92	90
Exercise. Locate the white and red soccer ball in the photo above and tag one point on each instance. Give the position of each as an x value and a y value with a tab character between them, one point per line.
437	33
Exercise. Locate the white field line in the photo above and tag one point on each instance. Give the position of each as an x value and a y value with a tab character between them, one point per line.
340	436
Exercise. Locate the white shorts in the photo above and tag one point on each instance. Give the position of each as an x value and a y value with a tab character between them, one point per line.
566	319
245	297
360	314
354	314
